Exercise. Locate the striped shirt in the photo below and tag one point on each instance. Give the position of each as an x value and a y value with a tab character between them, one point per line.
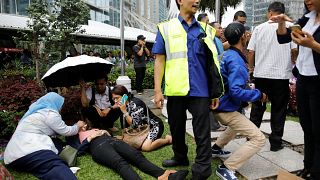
272	60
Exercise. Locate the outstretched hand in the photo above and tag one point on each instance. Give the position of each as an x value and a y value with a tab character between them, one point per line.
281	18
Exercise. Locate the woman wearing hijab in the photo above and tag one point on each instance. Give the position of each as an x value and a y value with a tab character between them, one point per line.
31	149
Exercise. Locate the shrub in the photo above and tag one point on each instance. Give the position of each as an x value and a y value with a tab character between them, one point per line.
147	82
8	122
17	93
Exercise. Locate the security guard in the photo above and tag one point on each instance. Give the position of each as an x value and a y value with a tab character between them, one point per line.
187	57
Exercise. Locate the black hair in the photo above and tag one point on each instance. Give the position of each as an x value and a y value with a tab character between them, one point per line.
201	16
178	4
105	77
239	14
234	32
277	7
121	90
306	10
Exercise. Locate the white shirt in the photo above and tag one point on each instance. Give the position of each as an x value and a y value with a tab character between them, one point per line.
305	62
33	134
102	100
272	60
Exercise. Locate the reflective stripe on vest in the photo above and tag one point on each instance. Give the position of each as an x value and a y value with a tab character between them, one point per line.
176	69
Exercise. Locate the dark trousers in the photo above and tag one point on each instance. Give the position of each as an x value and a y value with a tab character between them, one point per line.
44	164
102	122
308	101
140	74
198	107
118	155
277	91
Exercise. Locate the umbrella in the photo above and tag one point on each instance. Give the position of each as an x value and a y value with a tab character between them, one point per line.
69	71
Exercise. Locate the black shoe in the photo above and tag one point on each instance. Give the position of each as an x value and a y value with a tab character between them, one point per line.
276	148
179	175
304	173
172	162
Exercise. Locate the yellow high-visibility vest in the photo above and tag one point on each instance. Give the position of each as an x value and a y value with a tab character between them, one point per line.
176	68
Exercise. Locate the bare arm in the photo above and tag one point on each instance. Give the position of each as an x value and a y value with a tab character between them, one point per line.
158	75
281	20
226	45
140	52
251	61
147	51
84	100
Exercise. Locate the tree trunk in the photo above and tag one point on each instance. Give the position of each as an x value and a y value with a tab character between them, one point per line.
37	56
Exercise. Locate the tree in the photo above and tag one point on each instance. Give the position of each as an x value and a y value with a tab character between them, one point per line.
65	19
210	5
51	29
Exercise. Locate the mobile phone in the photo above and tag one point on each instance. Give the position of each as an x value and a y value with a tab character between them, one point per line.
296	28
124	98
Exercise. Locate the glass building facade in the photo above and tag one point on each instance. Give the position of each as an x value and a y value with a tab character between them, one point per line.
294	8
18	7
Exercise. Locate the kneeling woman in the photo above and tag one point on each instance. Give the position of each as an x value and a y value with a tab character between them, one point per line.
31	149
135	113
118	155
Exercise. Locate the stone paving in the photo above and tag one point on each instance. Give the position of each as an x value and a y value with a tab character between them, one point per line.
265	164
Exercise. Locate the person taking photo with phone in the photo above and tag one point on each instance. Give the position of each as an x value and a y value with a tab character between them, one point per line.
135	114
308	81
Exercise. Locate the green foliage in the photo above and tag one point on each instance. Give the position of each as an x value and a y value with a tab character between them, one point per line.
8	122
147	82
210	5
18	69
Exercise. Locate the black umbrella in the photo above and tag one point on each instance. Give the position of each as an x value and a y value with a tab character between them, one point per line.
69	71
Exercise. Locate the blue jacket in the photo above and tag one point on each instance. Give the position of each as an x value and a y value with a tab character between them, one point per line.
235	76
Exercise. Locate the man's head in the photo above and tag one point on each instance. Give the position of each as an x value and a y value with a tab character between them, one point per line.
275	8
235	33
141	39
218	28
188	6
203	17
101	84
240	16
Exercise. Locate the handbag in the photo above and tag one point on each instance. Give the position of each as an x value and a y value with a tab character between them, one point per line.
69	155
135	137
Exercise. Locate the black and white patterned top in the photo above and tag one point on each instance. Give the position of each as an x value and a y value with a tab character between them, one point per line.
138	112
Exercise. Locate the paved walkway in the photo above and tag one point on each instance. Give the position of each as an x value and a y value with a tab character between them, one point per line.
265	164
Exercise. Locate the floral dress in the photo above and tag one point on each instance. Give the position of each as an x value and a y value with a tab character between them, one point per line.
137	109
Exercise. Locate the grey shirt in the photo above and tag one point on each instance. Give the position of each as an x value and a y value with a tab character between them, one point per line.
139	61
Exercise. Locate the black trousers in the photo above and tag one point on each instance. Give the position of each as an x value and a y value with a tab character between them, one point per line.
277	91
102	122
118	156
140	74
308	101
177	116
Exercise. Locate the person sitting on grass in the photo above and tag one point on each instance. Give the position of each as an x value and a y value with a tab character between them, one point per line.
135	114
31	149
98	105
235	76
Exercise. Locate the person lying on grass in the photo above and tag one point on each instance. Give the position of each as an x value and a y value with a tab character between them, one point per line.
118	155
135	114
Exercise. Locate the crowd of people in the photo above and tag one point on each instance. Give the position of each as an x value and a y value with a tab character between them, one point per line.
204	69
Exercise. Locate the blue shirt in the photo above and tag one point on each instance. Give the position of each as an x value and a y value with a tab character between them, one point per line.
196	57
218	44
235	76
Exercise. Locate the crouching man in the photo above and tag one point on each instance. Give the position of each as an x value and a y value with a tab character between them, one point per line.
235	76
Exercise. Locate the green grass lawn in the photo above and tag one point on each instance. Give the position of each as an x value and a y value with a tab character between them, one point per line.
92	171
